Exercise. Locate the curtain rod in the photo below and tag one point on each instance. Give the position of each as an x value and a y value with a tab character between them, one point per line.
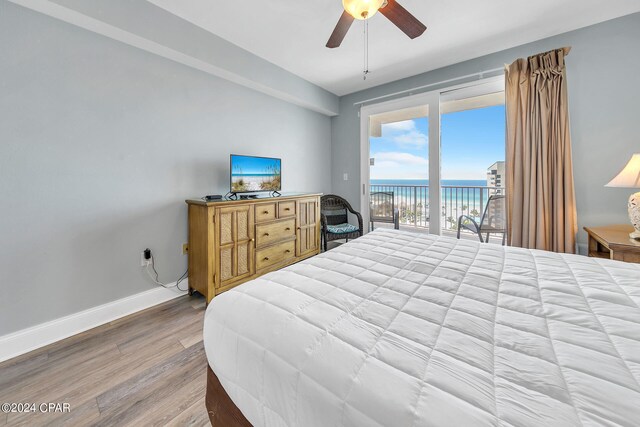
480	74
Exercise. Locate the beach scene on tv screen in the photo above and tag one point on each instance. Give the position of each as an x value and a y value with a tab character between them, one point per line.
254	174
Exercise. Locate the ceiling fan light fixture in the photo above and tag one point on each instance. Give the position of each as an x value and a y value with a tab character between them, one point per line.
362	9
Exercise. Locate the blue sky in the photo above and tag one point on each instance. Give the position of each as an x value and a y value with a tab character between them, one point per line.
253	165
472	141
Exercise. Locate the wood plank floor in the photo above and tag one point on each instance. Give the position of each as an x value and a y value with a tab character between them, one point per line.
145	369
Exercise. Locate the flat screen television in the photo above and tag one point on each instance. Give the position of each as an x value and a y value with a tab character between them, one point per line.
250	174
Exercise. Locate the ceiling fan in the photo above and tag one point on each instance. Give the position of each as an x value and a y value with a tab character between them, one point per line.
365	9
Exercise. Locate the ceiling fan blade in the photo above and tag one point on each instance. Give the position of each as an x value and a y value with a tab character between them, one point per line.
344	23
402	19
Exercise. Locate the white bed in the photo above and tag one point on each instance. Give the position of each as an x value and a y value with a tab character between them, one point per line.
405	329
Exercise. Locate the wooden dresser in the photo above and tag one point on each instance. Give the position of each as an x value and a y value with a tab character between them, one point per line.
232	241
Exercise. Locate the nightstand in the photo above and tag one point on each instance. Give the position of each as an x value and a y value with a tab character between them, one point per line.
613	242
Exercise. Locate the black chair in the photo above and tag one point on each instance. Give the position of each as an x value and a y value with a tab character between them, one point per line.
493	221
382	209
334	218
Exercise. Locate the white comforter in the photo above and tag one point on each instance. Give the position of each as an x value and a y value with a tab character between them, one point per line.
404	329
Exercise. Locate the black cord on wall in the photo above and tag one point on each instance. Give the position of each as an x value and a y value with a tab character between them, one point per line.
157	281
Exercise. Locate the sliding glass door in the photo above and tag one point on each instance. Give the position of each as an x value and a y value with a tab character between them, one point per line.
427	156
399	168
472	145
397	161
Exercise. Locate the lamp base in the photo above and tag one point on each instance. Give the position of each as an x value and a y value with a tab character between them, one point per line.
634	215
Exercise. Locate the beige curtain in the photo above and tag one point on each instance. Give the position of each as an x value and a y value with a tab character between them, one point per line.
541	205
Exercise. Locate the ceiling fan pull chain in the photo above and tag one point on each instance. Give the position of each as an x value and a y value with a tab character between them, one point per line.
364	58
366	50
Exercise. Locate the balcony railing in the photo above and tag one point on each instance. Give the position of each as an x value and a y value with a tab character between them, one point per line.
412	202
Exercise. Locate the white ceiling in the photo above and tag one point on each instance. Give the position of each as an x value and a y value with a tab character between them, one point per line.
292	33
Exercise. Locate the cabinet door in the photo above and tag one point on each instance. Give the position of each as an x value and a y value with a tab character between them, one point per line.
308	238
236	243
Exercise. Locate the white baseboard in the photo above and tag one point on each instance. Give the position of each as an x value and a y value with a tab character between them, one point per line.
29	339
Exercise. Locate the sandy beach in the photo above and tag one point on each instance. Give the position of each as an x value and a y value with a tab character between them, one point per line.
252	182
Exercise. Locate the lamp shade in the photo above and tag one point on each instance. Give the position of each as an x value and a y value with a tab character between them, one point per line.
362	9
629	177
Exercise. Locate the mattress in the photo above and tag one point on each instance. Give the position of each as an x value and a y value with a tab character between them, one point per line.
404	329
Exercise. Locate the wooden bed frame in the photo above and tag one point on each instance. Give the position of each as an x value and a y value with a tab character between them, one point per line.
222	411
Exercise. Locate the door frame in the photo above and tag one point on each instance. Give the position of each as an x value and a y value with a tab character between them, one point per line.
432	100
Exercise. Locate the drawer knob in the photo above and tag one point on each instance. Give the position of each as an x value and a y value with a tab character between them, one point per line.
287	209
265	212
265	258
266	234
287	251
287	229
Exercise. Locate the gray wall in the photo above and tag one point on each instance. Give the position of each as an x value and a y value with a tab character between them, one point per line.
603	72
152	28
100	143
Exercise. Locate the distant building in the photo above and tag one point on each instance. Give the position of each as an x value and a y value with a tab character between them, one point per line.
496	176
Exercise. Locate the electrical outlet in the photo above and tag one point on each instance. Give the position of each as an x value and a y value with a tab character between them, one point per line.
345	176
143	260
185	248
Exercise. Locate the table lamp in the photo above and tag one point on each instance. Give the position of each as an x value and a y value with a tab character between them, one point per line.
629	177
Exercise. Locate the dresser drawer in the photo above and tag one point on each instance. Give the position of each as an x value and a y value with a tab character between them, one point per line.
265	212
274	254
275	231
286	209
